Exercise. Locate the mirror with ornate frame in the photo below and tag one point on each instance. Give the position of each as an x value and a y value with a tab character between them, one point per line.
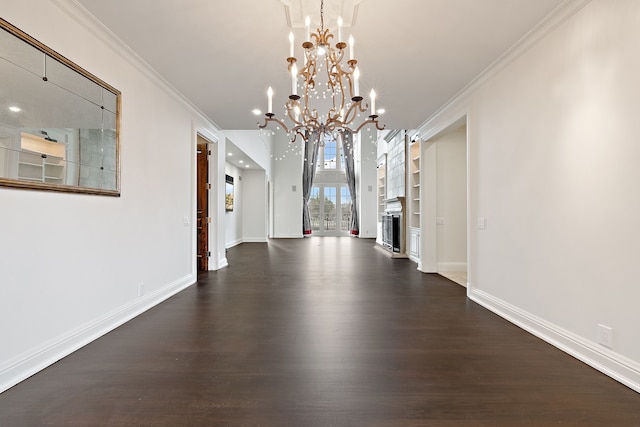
59	124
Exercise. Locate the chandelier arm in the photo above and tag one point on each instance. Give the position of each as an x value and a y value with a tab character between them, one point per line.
271	119
304	138
295	136
371	120
335	77
341	87
352	111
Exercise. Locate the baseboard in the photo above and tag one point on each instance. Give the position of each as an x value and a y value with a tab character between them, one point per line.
608	362
27	364
367	236
222	263
390	253
232	244
255	240
452	266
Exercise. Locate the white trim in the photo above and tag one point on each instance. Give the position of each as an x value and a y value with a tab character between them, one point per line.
30	362
254	240
83	17
557	17
604	360
363	235
291	236
222	263
232	244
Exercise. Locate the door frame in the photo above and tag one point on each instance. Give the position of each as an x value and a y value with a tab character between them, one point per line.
429	188
203	186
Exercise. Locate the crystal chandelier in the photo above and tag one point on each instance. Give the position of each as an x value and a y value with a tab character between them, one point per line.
328	85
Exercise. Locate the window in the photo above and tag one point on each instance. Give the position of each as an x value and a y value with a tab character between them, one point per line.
331	154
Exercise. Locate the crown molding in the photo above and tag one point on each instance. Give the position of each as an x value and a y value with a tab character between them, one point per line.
458	102
84	18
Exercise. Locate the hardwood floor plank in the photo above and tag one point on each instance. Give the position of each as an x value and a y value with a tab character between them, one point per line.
319	332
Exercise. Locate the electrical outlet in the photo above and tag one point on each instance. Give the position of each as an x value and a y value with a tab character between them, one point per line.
140	289
186	221
605	336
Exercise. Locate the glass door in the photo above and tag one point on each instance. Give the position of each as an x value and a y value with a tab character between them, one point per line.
330	210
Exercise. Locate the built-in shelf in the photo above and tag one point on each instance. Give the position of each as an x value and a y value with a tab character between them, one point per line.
414	205
414	184
41	160
382	187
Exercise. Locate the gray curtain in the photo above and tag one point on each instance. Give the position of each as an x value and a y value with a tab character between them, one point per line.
311	146
349	165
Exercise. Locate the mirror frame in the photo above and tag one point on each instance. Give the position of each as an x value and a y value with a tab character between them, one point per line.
29	185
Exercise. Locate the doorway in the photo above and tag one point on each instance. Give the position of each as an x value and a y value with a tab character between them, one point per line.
330	210
202	202
445	237
451	210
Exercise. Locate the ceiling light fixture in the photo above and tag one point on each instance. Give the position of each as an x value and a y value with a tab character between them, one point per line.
15	109
329	94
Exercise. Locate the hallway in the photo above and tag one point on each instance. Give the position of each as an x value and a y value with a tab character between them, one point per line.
319	332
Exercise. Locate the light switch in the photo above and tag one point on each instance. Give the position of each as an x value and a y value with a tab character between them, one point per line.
482	223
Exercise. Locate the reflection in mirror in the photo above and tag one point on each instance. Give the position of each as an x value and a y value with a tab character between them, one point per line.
58	123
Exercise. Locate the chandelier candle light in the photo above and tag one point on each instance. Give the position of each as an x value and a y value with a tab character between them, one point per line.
321	58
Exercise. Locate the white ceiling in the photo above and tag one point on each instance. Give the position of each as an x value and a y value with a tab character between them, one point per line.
223	54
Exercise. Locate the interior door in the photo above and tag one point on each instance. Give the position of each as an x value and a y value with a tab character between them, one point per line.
203	206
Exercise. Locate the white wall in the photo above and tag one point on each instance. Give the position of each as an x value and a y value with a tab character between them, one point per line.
255	144
254	206
553	153
367	187
287	187
451	200
233	219
71	265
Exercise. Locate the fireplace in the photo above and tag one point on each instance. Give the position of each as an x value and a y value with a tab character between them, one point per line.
391	232
393	226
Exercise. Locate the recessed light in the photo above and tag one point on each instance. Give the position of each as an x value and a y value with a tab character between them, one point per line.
229	154
256	112
15	109
381	111
241	161
246	166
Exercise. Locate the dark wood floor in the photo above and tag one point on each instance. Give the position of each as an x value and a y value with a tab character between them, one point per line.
319	332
